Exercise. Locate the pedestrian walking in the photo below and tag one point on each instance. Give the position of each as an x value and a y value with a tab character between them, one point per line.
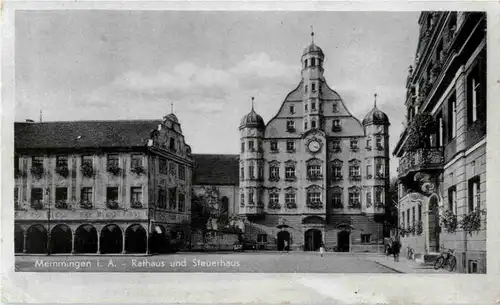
322	249
285	246
396	247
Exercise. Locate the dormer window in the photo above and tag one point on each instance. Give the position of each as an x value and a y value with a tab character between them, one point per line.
336	127
290	126
274	146
354	144
172	144
335	107
292	109
313	87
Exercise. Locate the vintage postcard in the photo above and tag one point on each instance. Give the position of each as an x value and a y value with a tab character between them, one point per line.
286	141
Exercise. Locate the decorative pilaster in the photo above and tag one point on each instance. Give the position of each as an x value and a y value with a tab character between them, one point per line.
25	241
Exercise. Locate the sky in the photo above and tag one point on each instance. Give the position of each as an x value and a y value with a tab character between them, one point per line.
115	65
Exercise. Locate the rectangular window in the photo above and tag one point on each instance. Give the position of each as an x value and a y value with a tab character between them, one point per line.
36	195
335	107
172	198
419	212
379	195
111	194
182	172
242	198
274	172
368	170
337	200
163	166
354	144
251	146
87	160
313	87
368	198
290	145
136	161
313	63
182	202
16	163
413	216
440	131
86	195
379	142
474	193
112	160
365	238
354	171
476	92
173	168
16	195
354	198
313	106
162	199
260	172
290	172
242	146
136	194
251	195
61	194
37	161
251	173
380	170
305	107
62	161
337	171
313	124
336	145
306	85
290	198
290	125
369	142
171	145
403	218
408	217
262	238
313	197
292	109
274	146
273	198
452	117
313	170
452	199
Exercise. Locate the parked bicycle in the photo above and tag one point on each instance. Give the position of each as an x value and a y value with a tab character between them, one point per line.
446	259
409	253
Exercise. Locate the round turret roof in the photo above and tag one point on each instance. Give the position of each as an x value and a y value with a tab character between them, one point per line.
376	117
313	48
252	120
172	117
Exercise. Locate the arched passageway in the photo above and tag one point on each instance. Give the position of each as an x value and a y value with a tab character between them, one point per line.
343	241
158	242
18	239
281	238
135	239
86	239
61	239
312	240
111	239
36	239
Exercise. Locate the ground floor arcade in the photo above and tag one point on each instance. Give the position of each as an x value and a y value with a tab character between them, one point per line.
95	238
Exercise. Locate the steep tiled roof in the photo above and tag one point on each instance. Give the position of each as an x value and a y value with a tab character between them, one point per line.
216	169
83	134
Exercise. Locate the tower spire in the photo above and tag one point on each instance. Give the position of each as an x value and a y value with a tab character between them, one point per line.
252	102
375	100
40	115
312	34
171	107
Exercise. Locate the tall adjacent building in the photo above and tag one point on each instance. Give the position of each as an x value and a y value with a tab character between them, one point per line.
101	186
442	183
314	173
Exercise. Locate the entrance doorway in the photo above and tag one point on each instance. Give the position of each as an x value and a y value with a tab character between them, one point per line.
343	241
312	240
282	236
433	228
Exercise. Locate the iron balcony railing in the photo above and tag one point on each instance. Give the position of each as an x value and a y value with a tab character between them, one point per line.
421	159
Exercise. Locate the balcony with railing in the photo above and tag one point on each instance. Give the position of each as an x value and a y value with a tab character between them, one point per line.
423	159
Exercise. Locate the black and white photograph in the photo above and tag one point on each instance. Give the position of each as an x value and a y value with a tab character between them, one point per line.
250	142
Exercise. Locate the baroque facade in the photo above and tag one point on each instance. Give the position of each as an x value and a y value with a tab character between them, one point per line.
101	186
442	182
314	173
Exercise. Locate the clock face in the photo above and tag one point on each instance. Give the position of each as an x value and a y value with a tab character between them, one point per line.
314	146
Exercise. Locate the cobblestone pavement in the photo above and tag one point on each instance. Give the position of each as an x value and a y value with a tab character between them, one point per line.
274	262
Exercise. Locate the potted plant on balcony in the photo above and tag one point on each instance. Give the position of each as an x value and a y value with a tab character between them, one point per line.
291	205
449	221
356	204
114	169
136	205
369	176
355	178
37	170
62	170
274	178
86	205
61	204
419	131
337	177
315	205
37	204
314	176
274	205
138	170
87	170
472	222
112	204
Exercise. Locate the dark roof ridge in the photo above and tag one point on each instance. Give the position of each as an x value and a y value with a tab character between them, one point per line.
93	121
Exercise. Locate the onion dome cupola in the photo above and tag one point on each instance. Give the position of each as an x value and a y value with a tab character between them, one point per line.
252	120
376	116
312	61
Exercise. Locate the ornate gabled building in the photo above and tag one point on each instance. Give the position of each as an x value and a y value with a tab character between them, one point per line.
101	186
442	176
314	173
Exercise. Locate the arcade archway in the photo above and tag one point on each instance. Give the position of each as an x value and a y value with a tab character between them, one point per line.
135	239
86	239
111	239
36	239
61	239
